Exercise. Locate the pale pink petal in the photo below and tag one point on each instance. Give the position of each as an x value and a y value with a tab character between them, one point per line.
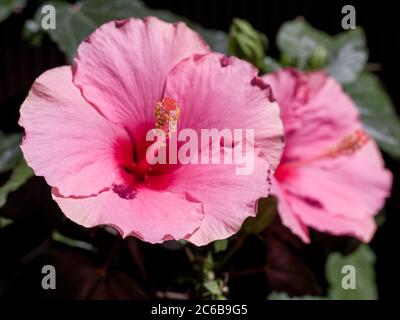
66	140
289	219
227	198
122	66
217	92
316	112
151	215
355	187
324	221
284	87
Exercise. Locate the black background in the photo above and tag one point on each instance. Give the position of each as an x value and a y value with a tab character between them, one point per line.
20	64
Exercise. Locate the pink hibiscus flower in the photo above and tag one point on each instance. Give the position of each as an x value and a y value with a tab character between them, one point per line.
331	176
85	129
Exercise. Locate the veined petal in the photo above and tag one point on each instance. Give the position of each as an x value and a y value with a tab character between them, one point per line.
152	216
227	198
332	177
289	219
217	92
66	140
121	67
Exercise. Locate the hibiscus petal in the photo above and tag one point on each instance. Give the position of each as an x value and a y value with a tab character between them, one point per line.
331	191
228	199
217	92
122	66
289	219
151	215
316	111
66	140
340	187
324	221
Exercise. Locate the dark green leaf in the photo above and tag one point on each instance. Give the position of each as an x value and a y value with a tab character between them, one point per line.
20	175
220	245
363	260
343	56
377	112
297	41
271	65
348	55
380	217
9	151
7	7
4	222
58	237
76	21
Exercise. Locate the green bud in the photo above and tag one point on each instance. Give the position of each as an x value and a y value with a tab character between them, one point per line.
318	58
247	43
286	61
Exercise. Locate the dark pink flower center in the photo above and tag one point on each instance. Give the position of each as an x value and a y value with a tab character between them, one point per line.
167	114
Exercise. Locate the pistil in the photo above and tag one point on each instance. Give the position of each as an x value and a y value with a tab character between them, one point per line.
167	114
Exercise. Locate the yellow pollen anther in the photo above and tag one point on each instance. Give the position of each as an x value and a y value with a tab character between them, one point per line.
167	115
349	145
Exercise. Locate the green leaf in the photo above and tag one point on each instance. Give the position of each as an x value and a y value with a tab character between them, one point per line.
377	112
9	151
380	217
208	263
271	65
363	260
297	41
74	22
213	287
247	43
220	245
266	213
285	296
348	55
19	176
4	222
58	237
7	7
343	56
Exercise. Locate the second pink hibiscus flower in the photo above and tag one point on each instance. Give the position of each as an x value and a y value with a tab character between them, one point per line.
331	177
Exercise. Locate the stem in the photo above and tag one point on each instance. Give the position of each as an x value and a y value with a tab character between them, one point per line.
189	254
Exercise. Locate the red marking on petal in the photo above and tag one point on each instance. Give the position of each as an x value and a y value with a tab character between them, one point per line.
224	61
124	191
121	23
258	82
